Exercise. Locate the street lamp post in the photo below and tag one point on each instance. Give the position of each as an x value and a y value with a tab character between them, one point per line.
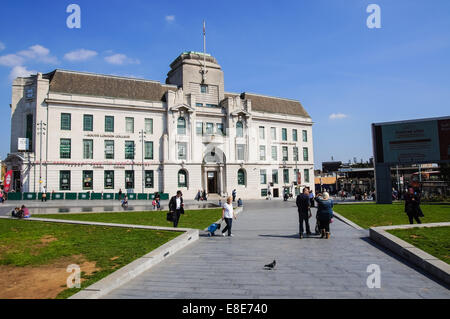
41	131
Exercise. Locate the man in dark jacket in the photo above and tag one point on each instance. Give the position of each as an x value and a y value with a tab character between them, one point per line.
176	207
412	206
303	204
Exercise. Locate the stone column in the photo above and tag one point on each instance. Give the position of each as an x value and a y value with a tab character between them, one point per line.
205	179
220	180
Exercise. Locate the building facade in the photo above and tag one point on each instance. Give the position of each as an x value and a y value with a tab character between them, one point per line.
92	132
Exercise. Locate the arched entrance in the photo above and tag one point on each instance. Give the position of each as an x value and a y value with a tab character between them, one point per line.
213	170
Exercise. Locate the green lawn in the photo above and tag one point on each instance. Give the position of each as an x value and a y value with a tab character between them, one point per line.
21	244
384	215
197	219
433	240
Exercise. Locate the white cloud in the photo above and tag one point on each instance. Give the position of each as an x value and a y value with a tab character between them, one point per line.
170	18
2	46
11	60
80	55
20	71
337	116
121	59
39	53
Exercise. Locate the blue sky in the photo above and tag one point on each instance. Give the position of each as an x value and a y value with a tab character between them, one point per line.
320	52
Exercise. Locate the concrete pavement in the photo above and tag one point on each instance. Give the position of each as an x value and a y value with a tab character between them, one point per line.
223	267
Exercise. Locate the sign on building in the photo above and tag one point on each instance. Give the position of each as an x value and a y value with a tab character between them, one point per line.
23	144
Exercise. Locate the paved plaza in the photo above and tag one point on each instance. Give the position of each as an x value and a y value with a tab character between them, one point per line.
223	267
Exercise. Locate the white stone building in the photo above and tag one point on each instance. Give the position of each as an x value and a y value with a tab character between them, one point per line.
196	135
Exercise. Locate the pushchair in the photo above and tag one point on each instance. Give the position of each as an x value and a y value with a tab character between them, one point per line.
212	228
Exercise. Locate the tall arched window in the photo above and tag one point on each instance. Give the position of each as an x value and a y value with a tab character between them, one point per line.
241	177
181	126
239	129
182	178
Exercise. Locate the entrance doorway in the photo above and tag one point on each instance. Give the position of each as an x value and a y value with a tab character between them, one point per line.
212	182
276	193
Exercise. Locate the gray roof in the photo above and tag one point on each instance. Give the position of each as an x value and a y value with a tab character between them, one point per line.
269	104
105	85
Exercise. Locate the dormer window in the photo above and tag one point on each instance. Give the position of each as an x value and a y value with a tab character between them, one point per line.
29	93
204	88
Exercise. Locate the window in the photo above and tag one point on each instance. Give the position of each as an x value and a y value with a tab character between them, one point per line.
88	149
240	152
109	123
285	153
274	153
129	179
148	150
88	177
199	128
263	177
286	176
199	104
209	128
109	179
88	122
65	121
129	124
220	130
182	151
264	192
181	126
148	126
182	178
262	153
295	153
64	180
211	105
305	154
306	175
109	149
64	148
275	176
273	133
262	133
294	135
284	134
241	177
203	88
148	179
239	129
129	149
305	136
296	174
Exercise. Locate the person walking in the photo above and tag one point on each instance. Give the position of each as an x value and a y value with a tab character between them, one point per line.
204	195
412	206
228	215
303	207
120	193
176	207
233	193
324	213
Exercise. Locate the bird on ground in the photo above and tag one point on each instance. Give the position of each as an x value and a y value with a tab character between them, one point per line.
271	265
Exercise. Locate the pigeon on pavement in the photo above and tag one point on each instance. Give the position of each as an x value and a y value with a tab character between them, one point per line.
271	265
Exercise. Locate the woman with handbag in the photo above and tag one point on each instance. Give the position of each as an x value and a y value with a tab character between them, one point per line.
304	211
324	213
